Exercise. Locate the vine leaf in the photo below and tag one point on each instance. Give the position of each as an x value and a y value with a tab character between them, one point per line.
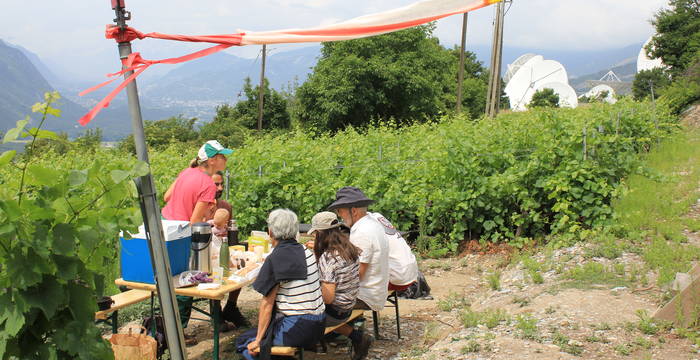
43	175
141	168
118	175
7	156
63	235
41	134
13	134
77	177
47	297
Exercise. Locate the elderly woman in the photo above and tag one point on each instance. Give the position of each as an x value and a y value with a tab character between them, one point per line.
292	310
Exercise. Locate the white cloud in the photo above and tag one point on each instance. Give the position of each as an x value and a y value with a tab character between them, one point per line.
65	30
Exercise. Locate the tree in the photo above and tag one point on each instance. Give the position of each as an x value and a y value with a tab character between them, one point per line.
645	79
275	114
544	98
405	75
226	127
163	132
475	85
678	34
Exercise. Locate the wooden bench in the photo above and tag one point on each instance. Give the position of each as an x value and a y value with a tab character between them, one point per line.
121	300
294	351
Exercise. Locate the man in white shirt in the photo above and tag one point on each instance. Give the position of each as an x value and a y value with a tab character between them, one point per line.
368	235
403	267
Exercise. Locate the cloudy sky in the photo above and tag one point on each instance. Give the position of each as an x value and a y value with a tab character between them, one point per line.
70	33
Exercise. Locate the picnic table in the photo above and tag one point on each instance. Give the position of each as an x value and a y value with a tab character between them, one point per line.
214	296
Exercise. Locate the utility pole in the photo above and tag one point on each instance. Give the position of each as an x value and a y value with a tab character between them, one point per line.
494	90
261	90
150	209
460	76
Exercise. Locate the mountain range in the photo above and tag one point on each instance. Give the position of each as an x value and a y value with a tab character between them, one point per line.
194	89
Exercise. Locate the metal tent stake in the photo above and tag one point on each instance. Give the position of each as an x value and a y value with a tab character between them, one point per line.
151	211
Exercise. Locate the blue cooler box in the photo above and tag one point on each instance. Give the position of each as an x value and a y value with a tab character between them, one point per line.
135	259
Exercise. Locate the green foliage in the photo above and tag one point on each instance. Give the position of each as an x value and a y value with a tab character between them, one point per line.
527	325
160	133
454	178
405	75
226	127
685	89
89	141
453	301
245	112
471	347
544	98
488	318
656	223
646	80
646	324
678	34
60	218
594	273
494	280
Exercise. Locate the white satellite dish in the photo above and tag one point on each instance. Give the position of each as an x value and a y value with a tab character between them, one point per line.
567	94
529	77
644	62
600	89
516	65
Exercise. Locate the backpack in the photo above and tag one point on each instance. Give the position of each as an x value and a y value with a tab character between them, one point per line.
417	290
159	333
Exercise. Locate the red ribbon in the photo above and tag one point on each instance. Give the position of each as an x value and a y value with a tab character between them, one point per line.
137	64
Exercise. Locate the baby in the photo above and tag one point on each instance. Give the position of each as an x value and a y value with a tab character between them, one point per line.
220	223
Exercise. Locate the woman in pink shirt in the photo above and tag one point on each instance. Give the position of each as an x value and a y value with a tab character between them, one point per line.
194	191
189	198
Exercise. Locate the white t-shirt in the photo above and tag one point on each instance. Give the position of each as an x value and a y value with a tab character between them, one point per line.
403	267
368	235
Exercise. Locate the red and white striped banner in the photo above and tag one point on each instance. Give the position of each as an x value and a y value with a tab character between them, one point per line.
368	25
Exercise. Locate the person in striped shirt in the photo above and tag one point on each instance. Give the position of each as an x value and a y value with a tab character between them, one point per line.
292	309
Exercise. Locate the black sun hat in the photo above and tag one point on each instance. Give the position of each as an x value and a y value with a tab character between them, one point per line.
350	197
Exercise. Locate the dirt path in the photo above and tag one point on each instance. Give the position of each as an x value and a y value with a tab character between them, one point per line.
555	319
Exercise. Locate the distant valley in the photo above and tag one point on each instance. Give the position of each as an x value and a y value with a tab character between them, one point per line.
194	89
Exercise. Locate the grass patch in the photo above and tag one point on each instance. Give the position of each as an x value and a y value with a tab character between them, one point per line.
593	273
431	333
623	349
652	212
527	325
494	280
605	246
414	352
488	318
453	301
565	345
521	300
472	347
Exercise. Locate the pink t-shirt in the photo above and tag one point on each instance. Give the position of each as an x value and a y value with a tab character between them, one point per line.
192	186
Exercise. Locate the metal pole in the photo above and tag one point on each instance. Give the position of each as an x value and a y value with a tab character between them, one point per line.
491	64
494	89
151	213
499	59
460	76
261	90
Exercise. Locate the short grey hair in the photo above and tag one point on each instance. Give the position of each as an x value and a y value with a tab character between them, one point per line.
283	224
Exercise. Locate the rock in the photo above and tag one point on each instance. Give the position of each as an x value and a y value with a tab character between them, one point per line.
619	288
573	342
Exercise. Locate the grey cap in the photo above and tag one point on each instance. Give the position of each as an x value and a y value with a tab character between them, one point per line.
350	197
